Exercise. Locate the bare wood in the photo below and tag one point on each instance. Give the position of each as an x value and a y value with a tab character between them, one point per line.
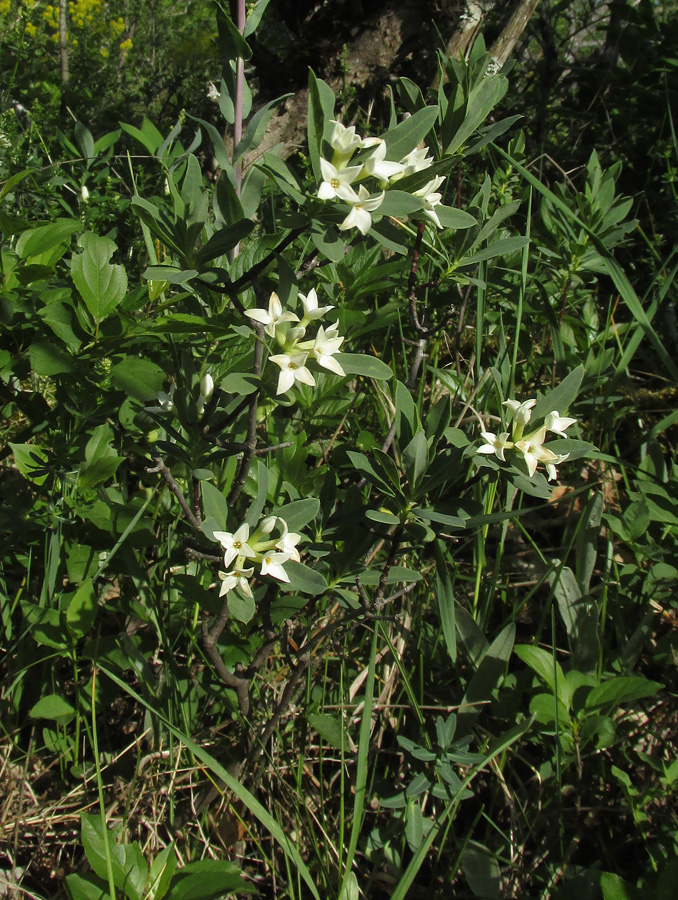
503	46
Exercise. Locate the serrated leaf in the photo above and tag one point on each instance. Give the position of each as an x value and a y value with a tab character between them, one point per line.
101	285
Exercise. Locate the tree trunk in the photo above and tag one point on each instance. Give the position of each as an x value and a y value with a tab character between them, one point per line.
503	46
370	59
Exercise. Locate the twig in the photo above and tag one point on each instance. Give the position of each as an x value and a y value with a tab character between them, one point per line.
210	636
396	540
176	490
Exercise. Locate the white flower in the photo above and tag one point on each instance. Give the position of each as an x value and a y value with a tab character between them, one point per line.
84	193
207	386
235	544
495	444
165	401
311	309
363	205
429	194
213	92
344	140
416	161
206	391
557	424
534	453
379	167
288	542
326	344
274	317
337	182
272	564
521	413
237	578
292	368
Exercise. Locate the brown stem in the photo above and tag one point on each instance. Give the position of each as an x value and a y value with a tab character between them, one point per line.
396	540
210	636
176	490
251	439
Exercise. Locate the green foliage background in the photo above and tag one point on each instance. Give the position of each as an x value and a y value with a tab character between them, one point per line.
469	682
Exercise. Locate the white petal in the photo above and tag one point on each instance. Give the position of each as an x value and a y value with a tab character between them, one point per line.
285	381
302	374
333	365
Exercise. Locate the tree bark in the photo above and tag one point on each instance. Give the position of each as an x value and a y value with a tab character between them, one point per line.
503	46
370	59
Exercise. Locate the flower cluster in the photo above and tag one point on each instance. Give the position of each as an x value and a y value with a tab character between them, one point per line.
296	351
340	179
530	446
242	550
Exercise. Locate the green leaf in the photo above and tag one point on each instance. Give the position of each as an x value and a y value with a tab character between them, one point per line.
86	887
445	598
482	871
50	359
130	871
241	606
139	378
415	458
240	383
320	113
214	505
502	247
365	365
396	575
614	887
233	44
399	203
622	689
329	728
414	826
101	285
53	707
40	240
404	137
163	868
31	461
14	180
223	240
254	17
561	397
304	579
170	274
298	513
98	471
486	678
481	100
256	128
327	241
548	669
84	140
208	879
454	218
148	136
82	610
